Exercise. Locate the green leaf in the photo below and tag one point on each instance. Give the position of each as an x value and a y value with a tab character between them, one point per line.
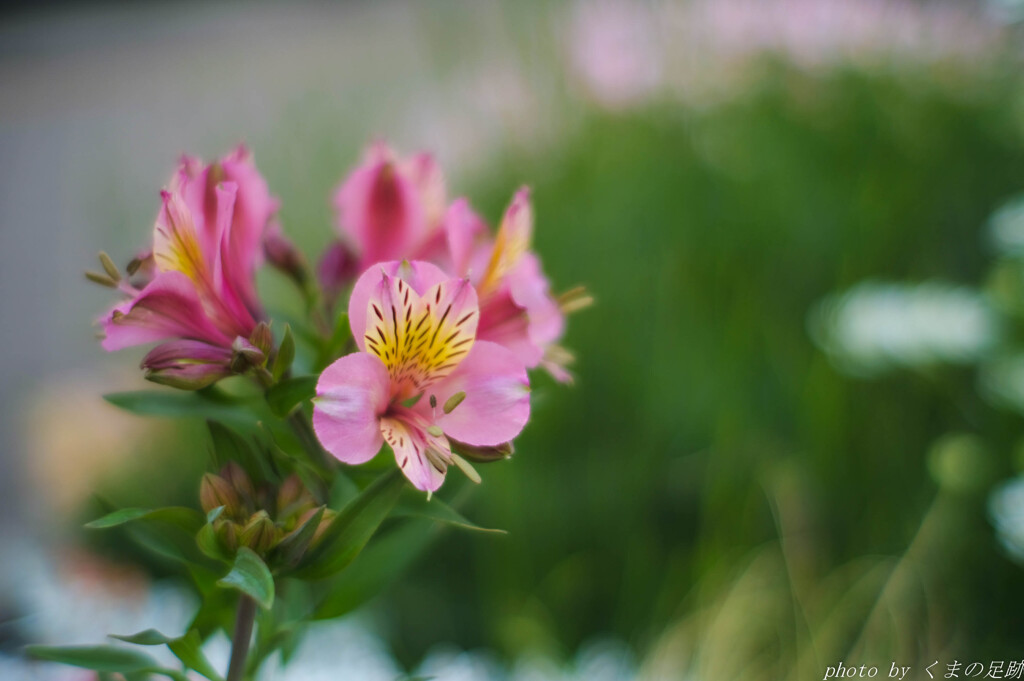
188	649
167	532
149	637
187	519
250	575
230	446
283	397
293	547
100	658
352	528
417	506
178	404
382	562
285	354
206	540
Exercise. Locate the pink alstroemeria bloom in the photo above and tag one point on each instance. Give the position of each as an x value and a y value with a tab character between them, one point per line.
517	310
388	208
197	283
416	331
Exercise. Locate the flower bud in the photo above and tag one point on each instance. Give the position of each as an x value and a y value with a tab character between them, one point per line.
259	534
188	376
337	269
227	534
240	482
282	254
245	355
186	364
262	338
215	491
293	498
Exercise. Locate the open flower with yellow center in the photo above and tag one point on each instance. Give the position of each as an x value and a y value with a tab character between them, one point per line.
421	376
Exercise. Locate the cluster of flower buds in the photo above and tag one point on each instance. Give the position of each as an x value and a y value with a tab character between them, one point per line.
264	518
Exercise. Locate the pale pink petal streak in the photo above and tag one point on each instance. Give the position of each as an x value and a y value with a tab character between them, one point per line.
351	395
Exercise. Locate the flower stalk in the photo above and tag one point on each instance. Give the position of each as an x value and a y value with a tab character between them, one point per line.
241	638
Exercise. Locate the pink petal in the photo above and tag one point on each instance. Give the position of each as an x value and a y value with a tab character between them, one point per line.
417	274
405	431
253	209
462	229
425	173
167	308
380	209
352	393
497	402
234	271
504	322
530	289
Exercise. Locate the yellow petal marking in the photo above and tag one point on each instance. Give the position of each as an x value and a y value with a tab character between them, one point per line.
420	340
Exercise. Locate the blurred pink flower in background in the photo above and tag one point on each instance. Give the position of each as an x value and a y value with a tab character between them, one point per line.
390	207
614	48
628	54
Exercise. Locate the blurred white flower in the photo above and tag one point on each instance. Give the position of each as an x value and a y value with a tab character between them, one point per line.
875	326
1006	508
1006	227
341	650
452	664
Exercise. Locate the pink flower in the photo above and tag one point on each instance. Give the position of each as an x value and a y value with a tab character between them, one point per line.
416	330
516	306
388	208
198	281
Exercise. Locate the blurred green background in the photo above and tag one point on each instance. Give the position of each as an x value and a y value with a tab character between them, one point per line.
712	490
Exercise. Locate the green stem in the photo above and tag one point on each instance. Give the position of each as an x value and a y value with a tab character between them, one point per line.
243	635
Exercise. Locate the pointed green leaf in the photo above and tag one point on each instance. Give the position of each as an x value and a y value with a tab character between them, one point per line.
168	532
100	658
178	404
250	575
149	637
187	519
352	528
285	354
189	650
417	506
285	396
382	562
